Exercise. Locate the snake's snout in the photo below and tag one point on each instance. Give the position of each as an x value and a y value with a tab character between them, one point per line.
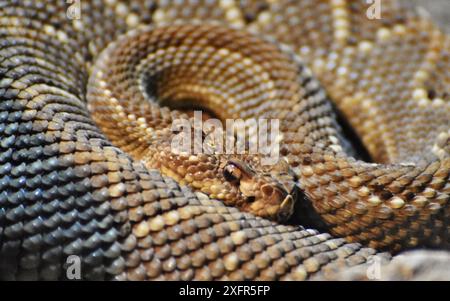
269	190
280	201
286	209
266	195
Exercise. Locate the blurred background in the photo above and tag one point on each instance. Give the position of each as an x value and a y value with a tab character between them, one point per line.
439	9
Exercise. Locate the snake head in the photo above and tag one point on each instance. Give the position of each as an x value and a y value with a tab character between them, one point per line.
238	181
267	195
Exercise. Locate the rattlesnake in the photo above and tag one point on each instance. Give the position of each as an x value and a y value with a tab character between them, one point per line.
68	190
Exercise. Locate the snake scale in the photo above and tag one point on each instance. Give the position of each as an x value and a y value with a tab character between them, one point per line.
85	167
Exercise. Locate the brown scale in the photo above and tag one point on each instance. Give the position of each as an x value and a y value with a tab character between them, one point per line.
362	28
296	23
251	9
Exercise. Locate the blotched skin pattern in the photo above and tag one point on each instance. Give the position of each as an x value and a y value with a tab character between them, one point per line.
67	190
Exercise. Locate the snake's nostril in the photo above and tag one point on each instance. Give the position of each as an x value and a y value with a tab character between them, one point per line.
267	190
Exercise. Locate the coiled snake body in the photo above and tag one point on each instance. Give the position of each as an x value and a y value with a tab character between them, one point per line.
84	137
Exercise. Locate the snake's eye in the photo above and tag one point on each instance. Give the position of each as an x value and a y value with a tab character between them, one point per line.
232	173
